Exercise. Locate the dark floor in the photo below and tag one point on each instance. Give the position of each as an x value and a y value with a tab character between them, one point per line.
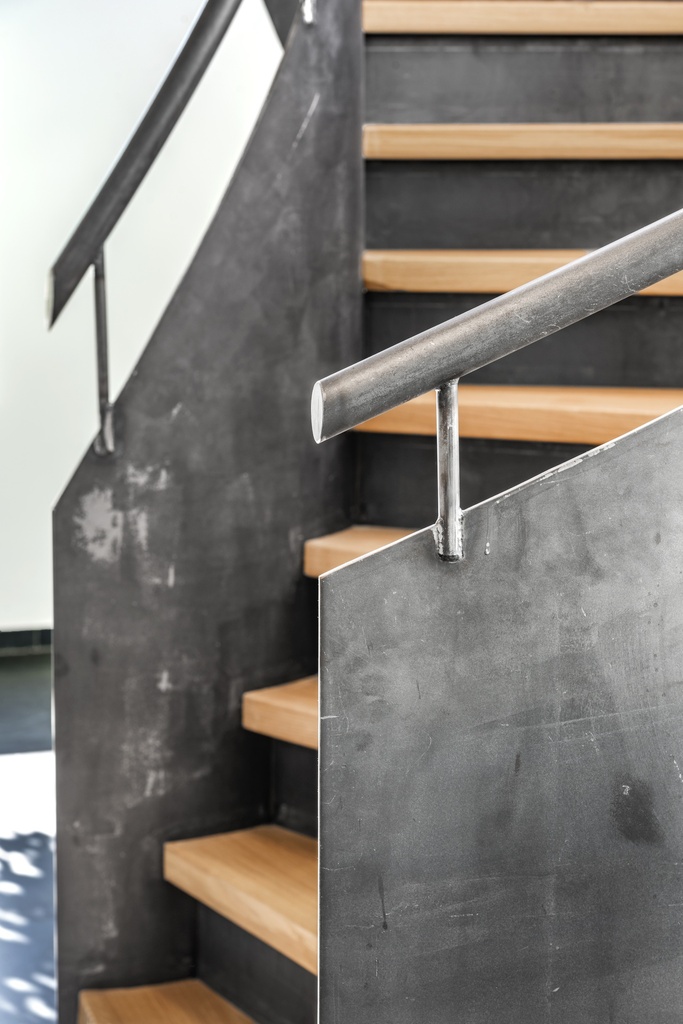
25	704
27	986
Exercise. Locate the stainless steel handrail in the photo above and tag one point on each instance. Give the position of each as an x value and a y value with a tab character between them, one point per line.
496	328
82	249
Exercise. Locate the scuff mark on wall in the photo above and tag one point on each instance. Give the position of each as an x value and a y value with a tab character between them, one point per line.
139	522
156	782
150	478
99	526
164	685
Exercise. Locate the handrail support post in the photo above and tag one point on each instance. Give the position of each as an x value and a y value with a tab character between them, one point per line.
449	524
104	442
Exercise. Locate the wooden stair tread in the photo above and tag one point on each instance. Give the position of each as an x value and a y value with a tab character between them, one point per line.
567	415
524	17
288	712
474	271
179	1002
324	553
265	879
640	141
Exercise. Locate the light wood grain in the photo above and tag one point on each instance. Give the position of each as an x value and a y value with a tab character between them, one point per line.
324	553
474	271
568	415
264	879
524	17
288	712
653	141
180	1002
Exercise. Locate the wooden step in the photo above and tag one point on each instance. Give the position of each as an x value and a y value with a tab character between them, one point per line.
474	271
288	712
265	879
524	17
324	553
180	1002
661	141
566	415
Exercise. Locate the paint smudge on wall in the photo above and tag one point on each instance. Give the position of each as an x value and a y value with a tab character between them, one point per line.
148	478
99	526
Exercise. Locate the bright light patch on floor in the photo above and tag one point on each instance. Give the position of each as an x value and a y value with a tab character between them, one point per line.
27	827
9	917
39	1009
19	985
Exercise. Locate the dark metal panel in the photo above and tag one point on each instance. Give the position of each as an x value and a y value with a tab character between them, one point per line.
396	475
515	205
262	982
502	754
470	80
178	561
636	343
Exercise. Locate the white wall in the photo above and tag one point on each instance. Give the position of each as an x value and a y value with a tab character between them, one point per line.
75	77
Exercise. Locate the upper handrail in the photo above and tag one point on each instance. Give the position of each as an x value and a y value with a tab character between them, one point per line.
84	246
496	328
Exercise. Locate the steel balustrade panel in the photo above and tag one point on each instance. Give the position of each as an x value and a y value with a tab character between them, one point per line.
502	758
178	580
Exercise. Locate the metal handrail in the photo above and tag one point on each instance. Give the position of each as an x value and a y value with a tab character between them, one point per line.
82	249
497	328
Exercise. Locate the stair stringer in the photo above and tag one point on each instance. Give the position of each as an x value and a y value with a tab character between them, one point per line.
178	561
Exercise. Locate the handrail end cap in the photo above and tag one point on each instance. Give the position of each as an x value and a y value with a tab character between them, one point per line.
50	298
317	412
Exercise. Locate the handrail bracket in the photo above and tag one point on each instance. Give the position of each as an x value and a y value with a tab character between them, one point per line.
104	442
448	529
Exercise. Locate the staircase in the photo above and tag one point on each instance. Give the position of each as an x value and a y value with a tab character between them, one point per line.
450	132
503	139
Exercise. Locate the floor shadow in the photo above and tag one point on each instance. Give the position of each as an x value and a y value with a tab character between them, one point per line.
27	972
27	986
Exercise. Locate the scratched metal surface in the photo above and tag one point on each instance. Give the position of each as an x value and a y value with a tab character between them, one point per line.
502	758
178	579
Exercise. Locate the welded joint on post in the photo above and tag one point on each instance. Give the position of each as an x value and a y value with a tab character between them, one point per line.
104	442
449	527
308	8
450	538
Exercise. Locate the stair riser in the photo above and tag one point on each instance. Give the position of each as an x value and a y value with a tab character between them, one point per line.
295	787
387	463
634	344
522	79
508	205
267	985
